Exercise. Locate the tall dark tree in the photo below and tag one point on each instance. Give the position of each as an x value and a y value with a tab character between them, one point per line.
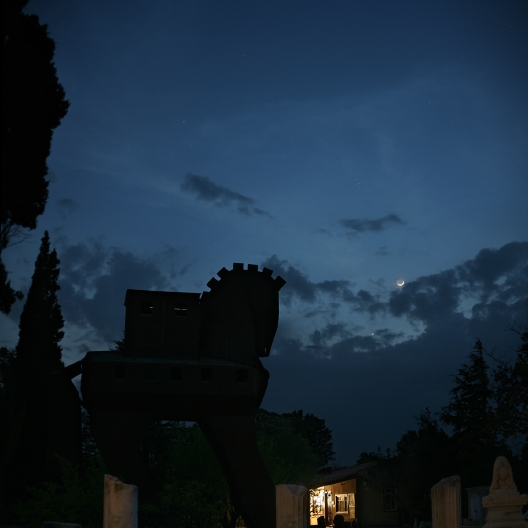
307	426
313	429
23	450
511	394
470	411
33	106
471	414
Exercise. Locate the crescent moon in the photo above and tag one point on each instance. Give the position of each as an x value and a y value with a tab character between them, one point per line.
400	282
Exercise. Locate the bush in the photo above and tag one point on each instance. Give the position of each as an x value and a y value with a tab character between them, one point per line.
75	499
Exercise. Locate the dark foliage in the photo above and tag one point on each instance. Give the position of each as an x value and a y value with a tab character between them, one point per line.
487	414
25	374
190	485
470	412
471	415
511	394
41	321
33	106
307	426
8	295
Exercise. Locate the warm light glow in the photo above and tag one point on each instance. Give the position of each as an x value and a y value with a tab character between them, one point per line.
317	502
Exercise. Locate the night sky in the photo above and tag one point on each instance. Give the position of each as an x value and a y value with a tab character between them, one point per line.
347	145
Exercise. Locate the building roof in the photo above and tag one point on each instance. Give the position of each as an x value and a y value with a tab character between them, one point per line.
157	293
340	474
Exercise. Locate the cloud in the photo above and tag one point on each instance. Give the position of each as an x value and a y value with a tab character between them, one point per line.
94	280
496	280
357	225
377	382
204	189
67	207
502	272
372	375
298	284
320	339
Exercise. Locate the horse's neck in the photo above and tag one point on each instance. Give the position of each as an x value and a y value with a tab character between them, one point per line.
230	323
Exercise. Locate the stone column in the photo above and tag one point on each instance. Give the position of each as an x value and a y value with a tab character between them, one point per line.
445	497
120	504
292	506
504	502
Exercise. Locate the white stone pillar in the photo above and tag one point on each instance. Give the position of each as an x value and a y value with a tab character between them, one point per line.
292	504
445	498
120	504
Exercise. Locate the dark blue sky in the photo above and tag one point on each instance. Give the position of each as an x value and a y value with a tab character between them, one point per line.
344	144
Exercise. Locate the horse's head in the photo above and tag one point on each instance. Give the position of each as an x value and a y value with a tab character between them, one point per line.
241	313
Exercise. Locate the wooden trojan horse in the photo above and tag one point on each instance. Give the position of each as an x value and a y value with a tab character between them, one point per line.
191	357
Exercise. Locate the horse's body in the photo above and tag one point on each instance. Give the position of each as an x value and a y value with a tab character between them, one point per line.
196	360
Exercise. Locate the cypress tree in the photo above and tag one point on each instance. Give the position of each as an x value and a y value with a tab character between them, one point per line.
469	411
471	414
41	322
37	356
33	105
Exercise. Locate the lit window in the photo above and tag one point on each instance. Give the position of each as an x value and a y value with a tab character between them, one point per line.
181	310
146	308
389	499
317	502
341	502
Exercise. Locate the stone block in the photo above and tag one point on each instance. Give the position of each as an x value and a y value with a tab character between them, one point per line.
445	498
292	504
120	504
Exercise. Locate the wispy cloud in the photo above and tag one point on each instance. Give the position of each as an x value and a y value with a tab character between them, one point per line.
67	207
493	283
204	189
94	280
362	225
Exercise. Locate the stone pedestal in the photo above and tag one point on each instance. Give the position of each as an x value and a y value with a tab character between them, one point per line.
120	504
445	497
504	502
292	506
476	512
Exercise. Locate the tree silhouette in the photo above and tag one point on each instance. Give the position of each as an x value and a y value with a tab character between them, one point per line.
511	395
307	426
23	449
470	412
33	106
316	432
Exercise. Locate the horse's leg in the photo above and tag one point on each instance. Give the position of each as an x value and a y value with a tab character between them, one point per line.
234	440
119	436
